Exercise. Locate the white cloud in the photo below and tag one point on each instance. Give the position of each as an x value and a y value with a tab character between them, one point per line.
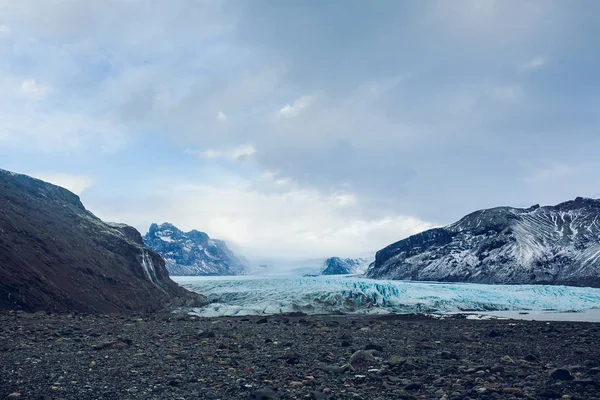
75	183
297	222
534	63
31	88
235	153
221	116
292	110
5	30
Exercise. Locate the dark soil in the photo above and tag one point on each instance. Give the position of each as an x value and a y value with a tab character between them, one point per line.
173	356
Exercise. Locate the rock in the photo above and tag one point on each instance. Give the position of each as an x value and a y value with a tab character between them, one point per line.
362	359
318	395
507	360
205	335
14	395
584	382
335	369
262	321
561	374
292	358
497	368
494	333
447	355
548	394
594	371
413	386
263	394
531	358
345	343
395	361
119	344
372	346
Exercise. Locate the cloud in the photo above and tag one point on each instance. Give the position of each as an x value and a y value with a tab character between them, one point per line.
534	63
292	110
5	30
31	88
298	222
369	128
75	183
234	153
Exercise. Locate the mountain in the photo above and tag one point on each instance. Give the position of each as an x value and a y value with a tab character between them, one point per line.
192	253
538	245
57	256
344	266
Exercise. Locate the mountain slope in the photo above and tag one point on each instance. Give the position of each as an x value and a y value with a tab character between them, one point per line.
57	256
539	245
192	253
344	266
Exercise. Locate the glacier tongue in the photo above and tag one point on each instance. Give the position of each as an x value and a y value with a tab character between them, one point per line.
251	295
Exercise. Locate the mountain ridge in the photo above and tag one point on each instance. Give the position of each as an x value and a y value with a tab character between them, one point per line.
539	245
57	256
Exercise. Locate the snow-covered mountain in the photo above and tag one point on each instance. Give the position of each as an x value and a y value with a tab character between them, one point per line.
192	253
550	245
344	266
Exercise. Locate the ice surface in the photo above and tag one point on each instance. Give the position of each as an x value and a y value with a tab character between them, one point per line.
253	295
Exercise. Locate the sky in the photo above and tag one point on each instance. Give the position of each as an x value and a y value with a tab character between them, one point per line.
301	129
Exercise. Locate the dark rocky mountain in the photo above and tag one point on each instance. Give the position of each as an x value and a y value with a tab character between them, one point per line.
538	245
344	266
57	256
192	253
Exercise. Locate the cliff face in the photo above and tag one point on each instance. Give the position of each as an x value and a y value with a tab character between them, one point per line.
538	245
57	256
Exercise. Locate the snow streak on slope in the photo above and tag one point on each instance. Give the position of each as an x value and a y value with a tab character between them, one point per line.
322	295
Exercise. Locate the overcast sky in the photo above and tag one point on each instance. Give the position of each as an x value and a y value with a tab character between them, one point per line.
302	128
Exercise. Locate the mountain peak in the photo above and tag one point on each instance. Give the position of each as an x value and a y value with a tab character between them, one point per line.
193	252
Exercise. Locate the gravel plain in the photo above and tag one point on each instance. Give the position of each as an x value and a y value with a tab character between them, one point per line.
177	356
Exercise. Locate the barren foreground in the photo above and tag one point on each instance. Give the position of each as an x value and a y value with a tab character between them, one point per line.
172	356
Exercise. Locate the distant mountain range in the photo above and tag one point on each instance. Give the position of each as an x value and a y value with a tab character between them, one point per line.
537	245
57	256
344	266
193	253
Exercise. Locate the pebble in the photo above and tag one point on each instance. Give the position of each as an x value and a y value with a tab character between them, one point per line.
263	394
561	374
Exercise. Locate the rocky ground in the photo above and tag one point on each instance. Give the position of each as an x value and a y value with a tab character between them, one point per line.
170	356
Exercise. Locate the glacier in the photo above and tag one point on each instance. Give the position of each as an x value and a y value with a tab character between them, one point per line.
258	295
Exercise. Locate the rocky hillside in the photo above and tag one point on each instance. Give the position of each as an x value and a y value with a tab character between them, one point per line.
538	245
344	266
192	253
57	256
